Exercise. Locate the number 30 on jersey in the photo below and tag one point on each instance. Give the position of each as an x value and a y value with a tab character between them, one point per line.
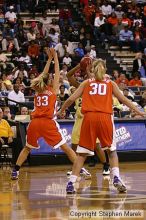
100	89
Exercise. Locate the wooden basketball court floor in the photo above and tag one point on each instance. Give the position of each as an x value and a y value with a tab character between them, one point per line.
39	194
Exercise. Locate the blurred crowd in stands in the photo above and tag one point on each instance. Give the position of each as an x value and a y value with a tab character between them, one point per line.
25	35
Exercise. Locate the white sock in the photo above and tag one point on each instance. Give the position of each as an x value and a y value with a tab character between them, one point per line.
73	178
115	172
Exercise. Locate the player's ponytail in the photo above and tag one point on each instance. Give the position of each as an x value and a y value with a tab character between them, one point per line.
40	83
99	69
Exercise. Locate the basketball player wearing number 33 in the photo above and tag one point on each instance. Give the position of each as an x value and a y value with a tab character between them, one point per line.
97	122
43	124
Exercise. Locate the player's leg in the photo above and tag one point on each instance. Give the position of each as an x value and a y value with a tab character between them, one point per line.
78	164
69	152
22	157
31	142
86	147
107	138
114	163
75	141
103	157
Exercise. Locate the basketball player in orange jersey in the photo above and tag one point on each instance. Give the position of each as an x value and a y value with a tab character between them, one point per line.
97	109
77	125
43	123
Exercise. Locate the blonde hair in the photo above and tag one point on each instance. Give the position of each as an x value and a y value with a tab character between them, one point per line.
99	69
40	83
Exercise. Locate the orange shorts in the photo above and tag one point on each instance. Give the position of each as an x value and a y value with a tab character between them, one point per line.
96	125
45	128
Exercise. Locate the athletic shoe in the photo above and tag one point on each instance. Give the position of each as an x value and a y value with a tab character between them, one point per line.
70	188
106	169
119	185
14	175
83	172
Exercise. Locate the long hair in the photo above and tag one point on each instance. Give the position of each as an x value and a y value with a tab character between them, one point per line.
40	83
99	69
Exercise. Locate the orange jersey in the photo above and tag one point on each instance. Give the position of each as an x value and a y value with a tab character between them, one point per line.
97	96
45	104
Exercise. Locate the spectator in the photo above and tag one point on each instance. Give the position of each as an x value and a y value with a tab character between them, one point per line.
15	95
80	50
118	11
45	20
7	114
137	43
24	111
54	36
25	59
122	79
67	60
99	21
122	87
126	21
9	44
6	80
64	70
31	36
62	48
113	20
54	25
143	101
33	51
139	64
21	70
106	32
11	16
6	133
115	75
39	29
137	20
63	96
92	52
88	40
4	60
106	8
126	38
136	80
88	11
33	70
117	28
127	95
65	14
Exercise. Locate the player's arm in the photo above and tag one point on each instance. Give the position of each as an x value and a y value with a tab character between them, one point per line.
124	100
47	66
70	75
73	97
57	72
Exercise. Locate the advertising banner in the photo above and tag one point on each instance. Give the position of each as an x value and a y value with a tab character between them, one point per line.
130	136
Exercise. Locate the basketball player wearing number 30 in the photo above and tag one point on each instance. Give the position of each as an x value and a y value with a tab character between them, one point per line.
97	122
43	124
84	67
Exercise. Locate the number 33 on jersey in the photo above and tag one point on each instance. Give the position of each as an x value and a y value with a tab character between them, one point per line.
97	96
45	104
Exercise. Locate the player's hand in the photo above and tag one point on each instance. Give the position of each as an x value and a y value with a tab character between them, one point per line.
48	52
53	52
